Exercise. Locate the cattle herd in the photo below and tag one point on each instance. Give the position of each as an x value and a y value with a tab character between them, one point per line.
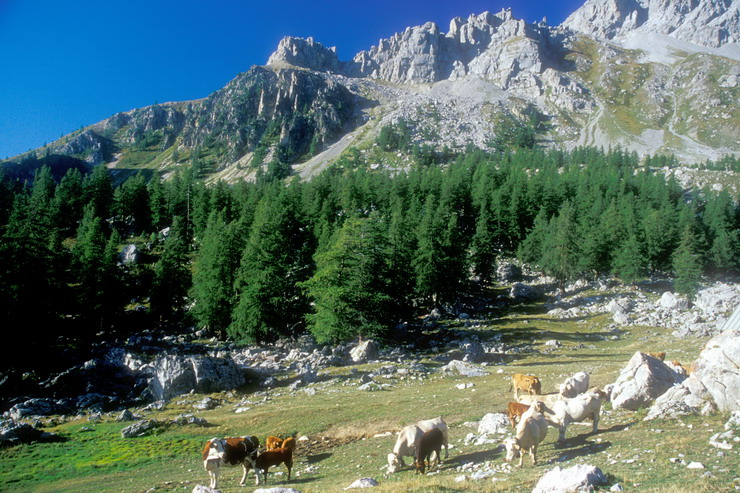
530	415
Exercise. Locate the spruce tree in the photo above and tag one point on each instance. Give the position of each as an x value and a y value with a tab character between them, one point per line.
687	265
349	287
560	256
276	258
629	263
172	278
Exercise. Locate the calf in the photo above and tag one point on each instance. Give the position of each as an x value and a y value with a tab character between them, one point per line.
274	457
528	383
577	384
514	411
530	432
407	438
429	443
660	355
230	452
577	409
273	442
547	399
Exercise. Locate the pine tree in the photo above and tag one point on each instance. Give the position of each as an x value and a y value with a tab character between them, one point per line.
214	271
629	262
349	287
172	278
687	265
428	258
560	257
98	189
68	203
276	258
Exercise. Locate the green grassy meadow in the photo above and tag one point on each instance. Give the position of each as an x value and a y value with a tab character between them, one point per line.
341	423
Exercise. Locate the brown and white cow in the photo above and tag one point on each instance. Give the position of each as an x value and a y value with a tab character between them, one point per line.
233	451
527	383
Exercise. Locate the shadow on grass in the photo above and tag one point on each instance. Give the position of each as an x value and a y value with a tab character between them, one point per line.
586	448
476	457
313	459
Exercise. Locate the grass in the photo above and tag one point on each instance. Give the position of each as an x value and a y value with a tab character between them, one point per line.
341	423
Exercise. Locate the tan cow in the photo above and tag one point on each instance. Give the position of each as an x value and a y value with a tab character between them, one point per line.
514	411
528	383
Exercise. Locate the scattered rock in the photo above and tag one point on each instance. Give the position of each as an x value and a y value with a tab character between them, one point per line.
276	490
507	272
457	367
189	419
363	483
672	302
204	489
695	465
553	343
494	423
126	415
581	477
207	403
141	428
14	433
524	291
365	351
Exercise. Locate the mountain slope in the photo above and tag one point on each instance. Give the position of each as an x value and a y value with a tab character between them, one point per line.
647	75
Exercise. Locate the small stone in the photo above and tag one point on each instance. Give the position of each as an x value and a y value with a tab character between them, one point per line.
695	465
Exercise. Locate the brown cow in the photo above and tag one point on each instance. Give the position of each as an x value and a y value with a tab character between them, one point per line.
515	411
528	383
239	451
429	443
275	457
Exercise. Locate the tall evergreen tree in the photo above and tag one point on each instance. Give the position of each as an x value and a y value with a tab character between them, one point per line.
687	265
276	258
214	271
349	287
560	258
172	278
629	262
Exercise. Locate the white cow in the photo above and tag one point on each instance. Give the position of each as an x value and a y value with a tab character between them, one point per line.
577	384
577	409
530	432
407	438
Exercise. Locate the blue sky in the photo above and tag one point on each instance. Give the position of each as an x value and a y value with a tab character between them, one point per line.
64	64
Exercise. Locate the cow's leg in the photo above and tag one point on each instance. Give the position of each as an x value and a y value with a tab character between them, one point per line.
244	476
289	465
596	422
446	444
400	461
533	451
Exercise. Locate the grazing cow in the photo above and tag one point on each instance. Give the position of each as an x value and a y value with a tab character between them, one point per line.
577	384
407	437
579	408
429	443
273	442
527	383
274	457
530	432
230	452
660	355
514	411
547	399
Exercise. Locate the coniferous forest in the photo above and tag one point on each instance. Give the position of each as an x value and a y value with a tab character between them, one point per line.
350	253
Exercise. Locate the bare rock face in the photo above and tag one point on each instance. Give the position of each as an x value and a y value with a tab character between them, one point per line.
176	375
713	385
643	380
494	423
365	351
710	23
305	53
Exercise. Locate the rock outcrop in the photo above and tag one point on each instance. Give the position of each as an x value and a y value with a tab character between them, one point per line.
577	478
713	385
711	23
642	381
176	375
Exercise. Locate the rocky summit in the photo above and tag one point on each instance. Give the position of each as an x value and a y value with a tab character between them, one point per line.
649	76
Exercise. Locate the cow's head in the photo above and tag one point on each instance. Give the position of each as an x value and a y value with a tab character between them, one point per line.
393	463
217	450
420	466
513	449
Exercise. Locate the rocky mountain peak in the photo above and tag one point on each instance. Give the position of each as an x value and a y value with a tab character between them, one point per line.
305	53
710	23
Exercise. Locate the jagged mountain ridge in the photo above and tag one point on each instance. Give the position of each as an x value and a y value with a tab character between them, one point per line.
307	107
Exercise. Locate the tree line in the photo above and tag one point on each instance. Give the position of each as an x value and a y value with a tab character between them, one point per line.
351	252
